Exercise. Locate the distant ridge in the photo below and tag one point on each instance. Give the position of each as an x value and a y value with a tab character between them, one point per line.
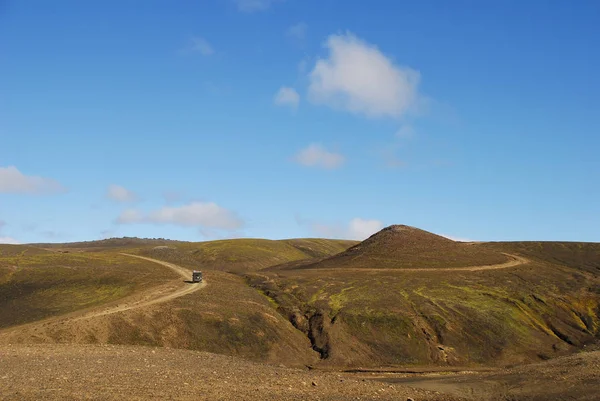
401	246
114	242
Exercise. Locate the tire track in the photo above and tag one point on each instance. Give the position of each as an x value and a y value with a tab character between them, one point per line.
151	298
514	262
140	299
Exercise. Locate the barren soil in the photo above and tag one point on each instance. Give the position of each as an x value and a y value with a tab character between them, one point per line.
575	377
92	372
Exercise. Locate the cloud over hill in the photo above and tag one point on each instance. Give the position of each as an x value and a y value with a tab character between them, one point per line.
194	214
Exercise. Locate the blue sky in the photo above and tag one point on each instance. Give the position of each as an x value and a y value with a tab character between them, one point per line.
197	120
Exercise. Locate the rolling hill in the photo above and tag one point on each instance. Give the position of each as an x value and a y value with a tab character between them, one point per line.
36	283
408	297
244	255
402	298
405	247
51	290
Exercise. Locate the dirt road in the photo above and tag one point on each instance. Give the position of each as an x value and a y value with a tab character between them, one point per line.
514	262
153	296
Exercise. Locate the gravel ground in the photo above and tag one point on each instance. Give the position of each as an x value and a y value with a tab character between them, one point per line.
105	372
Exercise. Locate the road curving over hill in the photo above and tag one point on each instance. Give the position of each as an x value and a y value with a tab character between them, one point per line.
153	296
514	261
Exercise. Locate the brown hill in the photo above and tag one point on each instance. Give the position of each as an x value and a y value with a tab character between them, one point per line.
7	250
400	246
544	306
582	255
244	254
108	243
408	297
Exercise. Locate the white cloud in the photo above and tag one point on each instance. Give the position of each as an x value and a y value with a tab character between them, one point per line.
253	5
405	132
8	240
297	31
356	229
359	78
459	239
120	194
361	228
287	96
196	214
130	216
172	196
15	182
392	161
201	46
317	156
302	65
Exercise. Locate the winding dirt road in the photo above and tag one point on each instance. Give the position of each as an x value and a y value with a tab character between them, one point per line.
153	296
514	262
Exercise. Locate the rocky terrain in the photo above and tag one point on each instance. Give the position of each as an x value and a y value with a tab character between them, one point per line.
101	372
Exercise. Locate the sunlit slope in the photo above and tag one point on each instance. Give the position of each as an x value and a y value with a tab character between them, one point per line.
359	314
36	284
225	317
580	255
243	255
398	247
354	316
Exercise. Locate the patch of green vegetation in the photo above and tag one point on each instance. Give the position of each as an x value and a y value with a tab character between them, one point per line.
317	296
337	301
271	300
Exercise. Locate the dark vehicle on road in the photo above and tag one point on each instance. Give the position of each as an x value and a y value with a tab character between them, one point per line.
196	276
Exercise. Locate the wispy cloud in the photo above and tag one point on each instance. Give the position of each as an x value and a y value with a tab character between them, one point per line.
356	229
205	215
459	239
287	96
199	45
120	194
317	156
108	233
131	216
297	31
393	161
405	132
8	240
15	182
250	6
303	65
357	77
172	196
